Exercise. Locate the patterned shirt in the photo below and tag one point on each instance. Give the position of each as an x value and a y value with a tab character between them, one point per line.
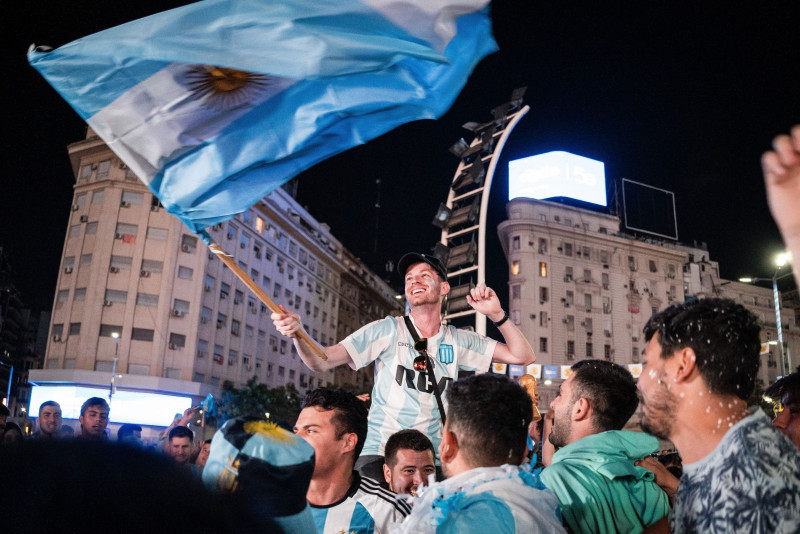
402	397
750	483
366	508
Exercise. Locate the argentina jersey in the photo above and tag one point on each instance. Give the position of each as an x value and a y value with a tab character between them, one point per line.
365	509
403	397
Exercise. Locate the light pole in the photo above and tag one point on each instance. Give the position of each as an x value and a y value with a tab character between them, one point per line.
115	335
780	261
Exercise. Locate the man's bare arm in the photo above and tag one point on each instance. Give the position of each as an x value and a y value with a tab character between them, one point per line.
288	324
517	350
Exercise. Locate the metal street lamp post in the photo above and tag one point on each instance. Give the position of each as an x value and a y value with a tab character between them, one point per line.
781	261
115	335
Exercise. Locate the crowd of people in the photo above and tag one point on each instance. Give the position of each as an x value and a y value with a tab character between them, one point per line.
439	453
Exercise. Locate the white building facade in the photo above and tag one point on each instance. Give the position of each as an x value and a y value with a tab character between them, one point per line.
579	288
140	294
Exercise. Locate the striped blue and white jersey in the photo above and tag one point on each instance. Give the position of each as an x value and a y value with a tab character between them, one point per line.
366	508
402	397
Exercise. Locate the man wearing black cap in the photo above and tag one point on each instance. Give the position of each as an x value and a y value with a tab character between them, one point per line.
403	395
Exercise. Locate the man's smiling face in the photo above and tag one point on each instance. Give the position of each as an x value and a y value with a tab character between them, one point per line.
423	285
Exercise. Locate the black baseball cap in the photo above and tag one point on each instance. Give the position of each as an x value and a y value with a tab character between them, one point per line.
414	257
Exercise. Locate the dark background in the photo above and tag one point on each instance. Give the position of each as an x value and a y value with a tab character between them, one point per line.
679	95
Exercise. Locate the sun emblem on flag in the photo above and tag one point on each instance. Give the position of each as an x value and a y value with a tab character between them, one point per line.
269	430
224	88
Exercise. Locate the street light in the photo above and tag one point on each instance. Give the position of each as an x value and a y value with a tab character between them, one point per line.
781	260
115	335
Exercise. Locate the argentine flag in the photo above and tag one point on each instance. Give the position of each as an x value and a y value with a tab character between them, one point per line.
215	104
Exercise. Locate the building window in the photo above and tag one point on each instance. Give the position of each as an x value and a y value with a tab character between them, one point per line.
85	173
568	274
570	349
146	299
121	262
570	298
603	256
515	292
86	259
635	354
91	228
80	294
542	344
185	273
188	243
515	267
515	242
543	269
62	297
124	229
75	230
157	234
107	329
222	320
587	275
283	346
544	295
605	280
113	295
568	249
607	352
631	263
132	198
542	245
233	357
224	290
277	291
235	327
142	334
202	348
589	350
570	322
586	253
543	319
587	301
102	169
587	323
652	265
152	266
181	306
74	329
176	340
58	330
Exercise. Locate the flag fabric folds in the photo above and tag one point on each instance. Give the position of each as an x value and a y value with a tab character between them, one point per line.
215	104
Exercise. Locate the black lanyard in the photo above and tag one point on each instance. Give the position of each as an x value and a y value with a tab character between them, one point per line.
429	363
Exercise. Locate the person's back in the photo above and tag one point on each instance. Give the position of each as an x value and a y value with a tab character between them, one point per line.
486	489
593	474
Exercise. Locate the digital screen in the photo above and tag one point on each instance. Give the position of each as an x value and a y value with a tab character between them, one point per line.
557	174
136	407
649	209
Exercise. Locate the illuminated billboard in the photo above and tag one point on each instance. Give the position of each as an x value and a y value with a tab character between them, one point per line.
557	174
137	407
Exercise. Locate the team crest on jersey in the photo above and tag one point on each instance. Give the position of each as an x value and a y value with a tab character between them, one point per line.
446	353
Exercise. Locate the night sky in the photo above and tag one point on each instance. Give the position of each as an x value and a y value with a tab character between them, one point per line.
671	94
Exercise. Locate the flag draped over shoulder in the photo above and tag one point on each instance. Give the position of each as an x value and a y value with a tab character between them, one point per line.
215	104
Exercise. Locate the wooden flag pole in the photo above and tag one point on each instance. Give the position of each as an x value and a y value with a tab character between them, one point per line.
227	259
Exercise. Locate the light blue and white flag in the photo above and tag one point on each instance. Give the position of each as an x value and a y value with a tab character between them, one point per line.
215	104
